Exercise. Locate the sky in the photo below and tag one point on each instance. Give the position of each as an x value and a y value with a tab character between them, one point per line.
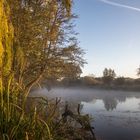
109	33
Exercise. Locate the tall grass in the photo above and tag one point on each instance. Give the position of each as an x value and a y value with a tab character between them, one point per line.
35	119
15	122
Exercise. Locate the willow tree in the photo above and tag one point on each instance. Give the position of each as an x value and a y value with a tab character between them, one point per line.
44	41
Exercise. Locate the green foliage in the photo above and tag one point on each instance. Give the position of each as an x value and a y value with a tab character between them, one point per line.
108	76
109	72
6	38
119	81
138	71
89	80
44	43
40	119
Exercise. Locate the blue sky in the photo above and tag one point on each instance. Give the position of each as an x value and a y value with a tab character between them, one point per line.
109	32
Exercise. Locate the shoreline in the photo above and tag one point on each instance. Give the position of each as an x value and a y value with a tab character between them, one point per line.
102	87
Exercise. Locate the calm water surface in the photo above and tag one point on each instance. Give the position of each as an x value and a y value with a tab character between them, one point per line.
116	114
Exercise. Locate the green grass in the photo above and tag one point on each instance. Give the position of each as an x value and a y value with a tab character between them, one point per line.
24	118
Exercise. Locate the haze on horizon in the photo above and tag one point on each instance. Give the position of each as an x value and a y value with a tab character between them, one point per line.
109	32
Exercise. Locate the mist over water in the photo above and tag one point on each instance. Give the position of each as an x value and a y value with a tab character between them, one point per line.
116	114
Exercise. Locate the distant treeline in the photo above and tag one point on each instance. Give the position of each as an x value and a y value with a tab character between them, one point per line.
96	81
108	81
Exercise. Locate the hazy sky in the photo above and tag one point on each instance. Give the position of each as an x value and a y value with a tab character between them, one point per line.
109	32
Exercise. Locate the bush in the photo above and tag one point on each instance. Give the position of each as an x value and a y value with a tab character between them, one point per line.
119	81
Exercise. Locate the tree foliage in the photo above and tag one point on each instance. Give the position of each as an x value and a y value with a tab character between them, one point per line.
36	43
44	44
119	81
6	38
108	76
138	71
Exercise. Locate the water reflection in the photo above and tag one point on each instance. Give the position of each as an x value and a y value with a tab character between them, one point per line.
115	120
110	103
116	113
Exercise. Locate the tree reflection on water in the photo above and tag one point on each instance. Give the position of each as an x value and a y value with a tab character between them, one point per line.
110	103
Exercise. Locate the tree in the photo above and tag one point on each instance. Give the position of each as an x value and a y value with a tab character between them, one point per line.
119	81
35	48
90	80
138	71
110	103
108	76
44	41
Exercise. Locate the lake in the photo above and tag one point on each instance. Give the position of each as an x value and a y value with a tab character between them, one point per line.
116	114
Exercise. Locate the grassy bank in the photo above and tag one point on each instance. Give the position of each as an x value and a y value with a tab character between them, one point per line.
40	119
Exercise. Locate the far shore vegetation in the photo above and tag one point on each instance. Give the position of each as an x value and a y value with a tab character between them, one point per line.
109	80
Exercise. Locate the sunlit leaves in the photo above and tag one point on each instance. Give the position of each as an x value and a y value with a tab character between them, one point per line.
67	4
45	35
6	37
